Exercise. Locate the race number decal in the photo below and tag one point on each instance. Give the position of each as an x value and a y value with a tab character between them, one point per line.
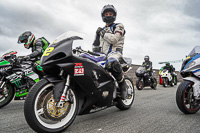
48	51
78	69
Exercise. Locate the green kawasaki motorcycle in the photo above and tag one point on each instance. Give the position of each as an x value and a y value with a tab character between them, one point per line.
16	78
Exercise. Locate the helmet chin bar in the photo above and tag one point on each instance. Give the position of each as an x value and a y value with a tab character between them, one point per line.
109	23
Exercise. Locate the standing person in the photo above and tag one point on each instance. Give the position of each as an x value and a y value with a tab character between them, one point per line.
38	47
110	40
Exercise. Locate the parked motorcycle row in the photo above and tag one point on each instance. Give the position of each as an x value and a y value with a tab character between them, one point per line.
77	83
144	78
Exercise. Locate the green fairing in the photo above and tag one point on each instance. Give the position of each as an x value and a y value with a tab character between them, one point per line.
18	83
38	61
18	94
15	80
4	62
36	80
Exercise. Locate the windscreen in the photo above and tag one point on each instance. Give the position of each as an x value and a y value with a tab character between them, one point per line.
69	34
8	53
195	50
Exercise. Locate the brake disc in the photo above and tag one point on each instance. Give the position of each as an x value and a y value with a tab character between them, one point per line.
51	111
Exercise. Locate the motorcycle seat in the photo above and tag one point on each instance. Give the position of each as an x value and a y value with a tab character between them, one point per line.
101	57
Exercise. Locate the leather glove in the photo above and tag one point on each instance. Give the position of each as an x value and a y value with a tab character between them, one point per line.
100	31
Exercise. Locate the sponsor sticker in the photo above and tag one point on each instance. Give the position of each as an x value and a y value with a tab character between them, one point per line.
78	69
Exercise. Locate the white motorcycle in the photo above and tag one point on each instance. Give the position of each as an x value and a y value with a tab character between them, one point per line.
188	92
167	78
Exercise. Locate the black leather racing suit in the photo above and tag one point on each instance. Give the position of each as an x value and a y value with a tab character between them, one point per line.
148	66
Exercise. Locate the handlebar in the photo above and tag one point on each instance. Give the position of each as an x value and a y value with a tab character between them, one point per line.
93	53
78	49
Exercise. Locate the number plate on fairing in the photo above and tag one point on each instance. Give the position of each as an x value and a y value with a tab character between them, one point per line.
78	69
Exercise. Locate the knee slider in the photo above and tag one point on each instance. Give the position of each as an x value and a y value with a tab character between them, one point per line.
114	66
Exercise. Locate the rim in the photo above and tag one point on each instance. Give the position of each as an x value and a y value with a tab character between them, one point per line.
189	100
49	123
4	97
129	100
140	85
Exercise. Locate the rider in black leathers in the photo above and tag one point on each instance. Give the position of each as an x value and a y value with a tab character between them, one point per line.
148	65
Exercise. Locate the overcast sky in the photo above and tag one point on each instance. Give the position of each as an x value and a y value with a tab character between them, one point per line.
166	30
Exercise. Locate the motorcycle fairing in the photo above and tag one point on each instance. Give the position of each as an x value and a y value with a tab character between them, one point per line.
90	86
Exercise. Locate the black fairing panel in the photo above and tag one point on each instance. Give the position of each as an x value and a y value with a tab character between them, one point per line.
62	50
91	88
87	81
93	81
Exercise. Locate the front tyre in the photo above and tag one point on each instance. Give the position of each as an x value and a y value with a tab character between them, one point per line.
6	94
164	82
139	84
185	99
41	112
175	80
127	103
154	84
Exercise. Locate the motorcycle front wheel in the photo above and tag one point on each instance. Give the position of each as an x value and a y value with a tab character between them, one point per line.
154	84
164	82
185	99
139	84
175	80
41	112
6	94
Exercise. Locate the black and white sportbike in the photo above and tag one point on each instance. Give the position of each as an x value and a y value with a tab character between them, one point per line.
188	92
16	78
75	84
144	79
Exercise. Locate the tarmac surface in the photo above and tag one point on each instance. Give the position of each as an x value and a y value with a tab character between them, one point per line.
153	111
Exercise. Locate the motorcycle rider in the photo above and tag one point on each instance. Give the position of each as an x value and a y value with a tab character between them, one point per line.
38	46
110	40
169	68
173	71
148	65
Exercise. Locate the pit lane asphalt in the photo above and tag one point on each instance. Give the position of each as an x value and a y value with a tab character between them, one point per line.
153	111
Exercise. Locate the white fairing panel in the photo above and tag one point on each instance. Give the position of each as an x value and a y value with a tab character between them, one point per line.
196	86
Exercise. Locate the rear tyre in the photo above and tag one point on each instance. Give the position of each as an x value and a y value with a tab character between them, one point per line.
139	84
127	103
6	94
40	110
185	99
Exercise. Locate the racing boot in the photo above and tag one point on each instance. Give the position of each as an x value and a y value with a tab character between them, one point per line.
115	68
123	89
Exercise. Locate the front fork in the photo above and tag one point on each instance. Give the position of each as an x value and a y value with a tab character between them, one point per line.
65	96
2	83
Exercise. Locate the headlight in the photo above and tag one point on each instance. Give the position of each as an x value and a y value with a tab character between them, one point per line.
190	64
